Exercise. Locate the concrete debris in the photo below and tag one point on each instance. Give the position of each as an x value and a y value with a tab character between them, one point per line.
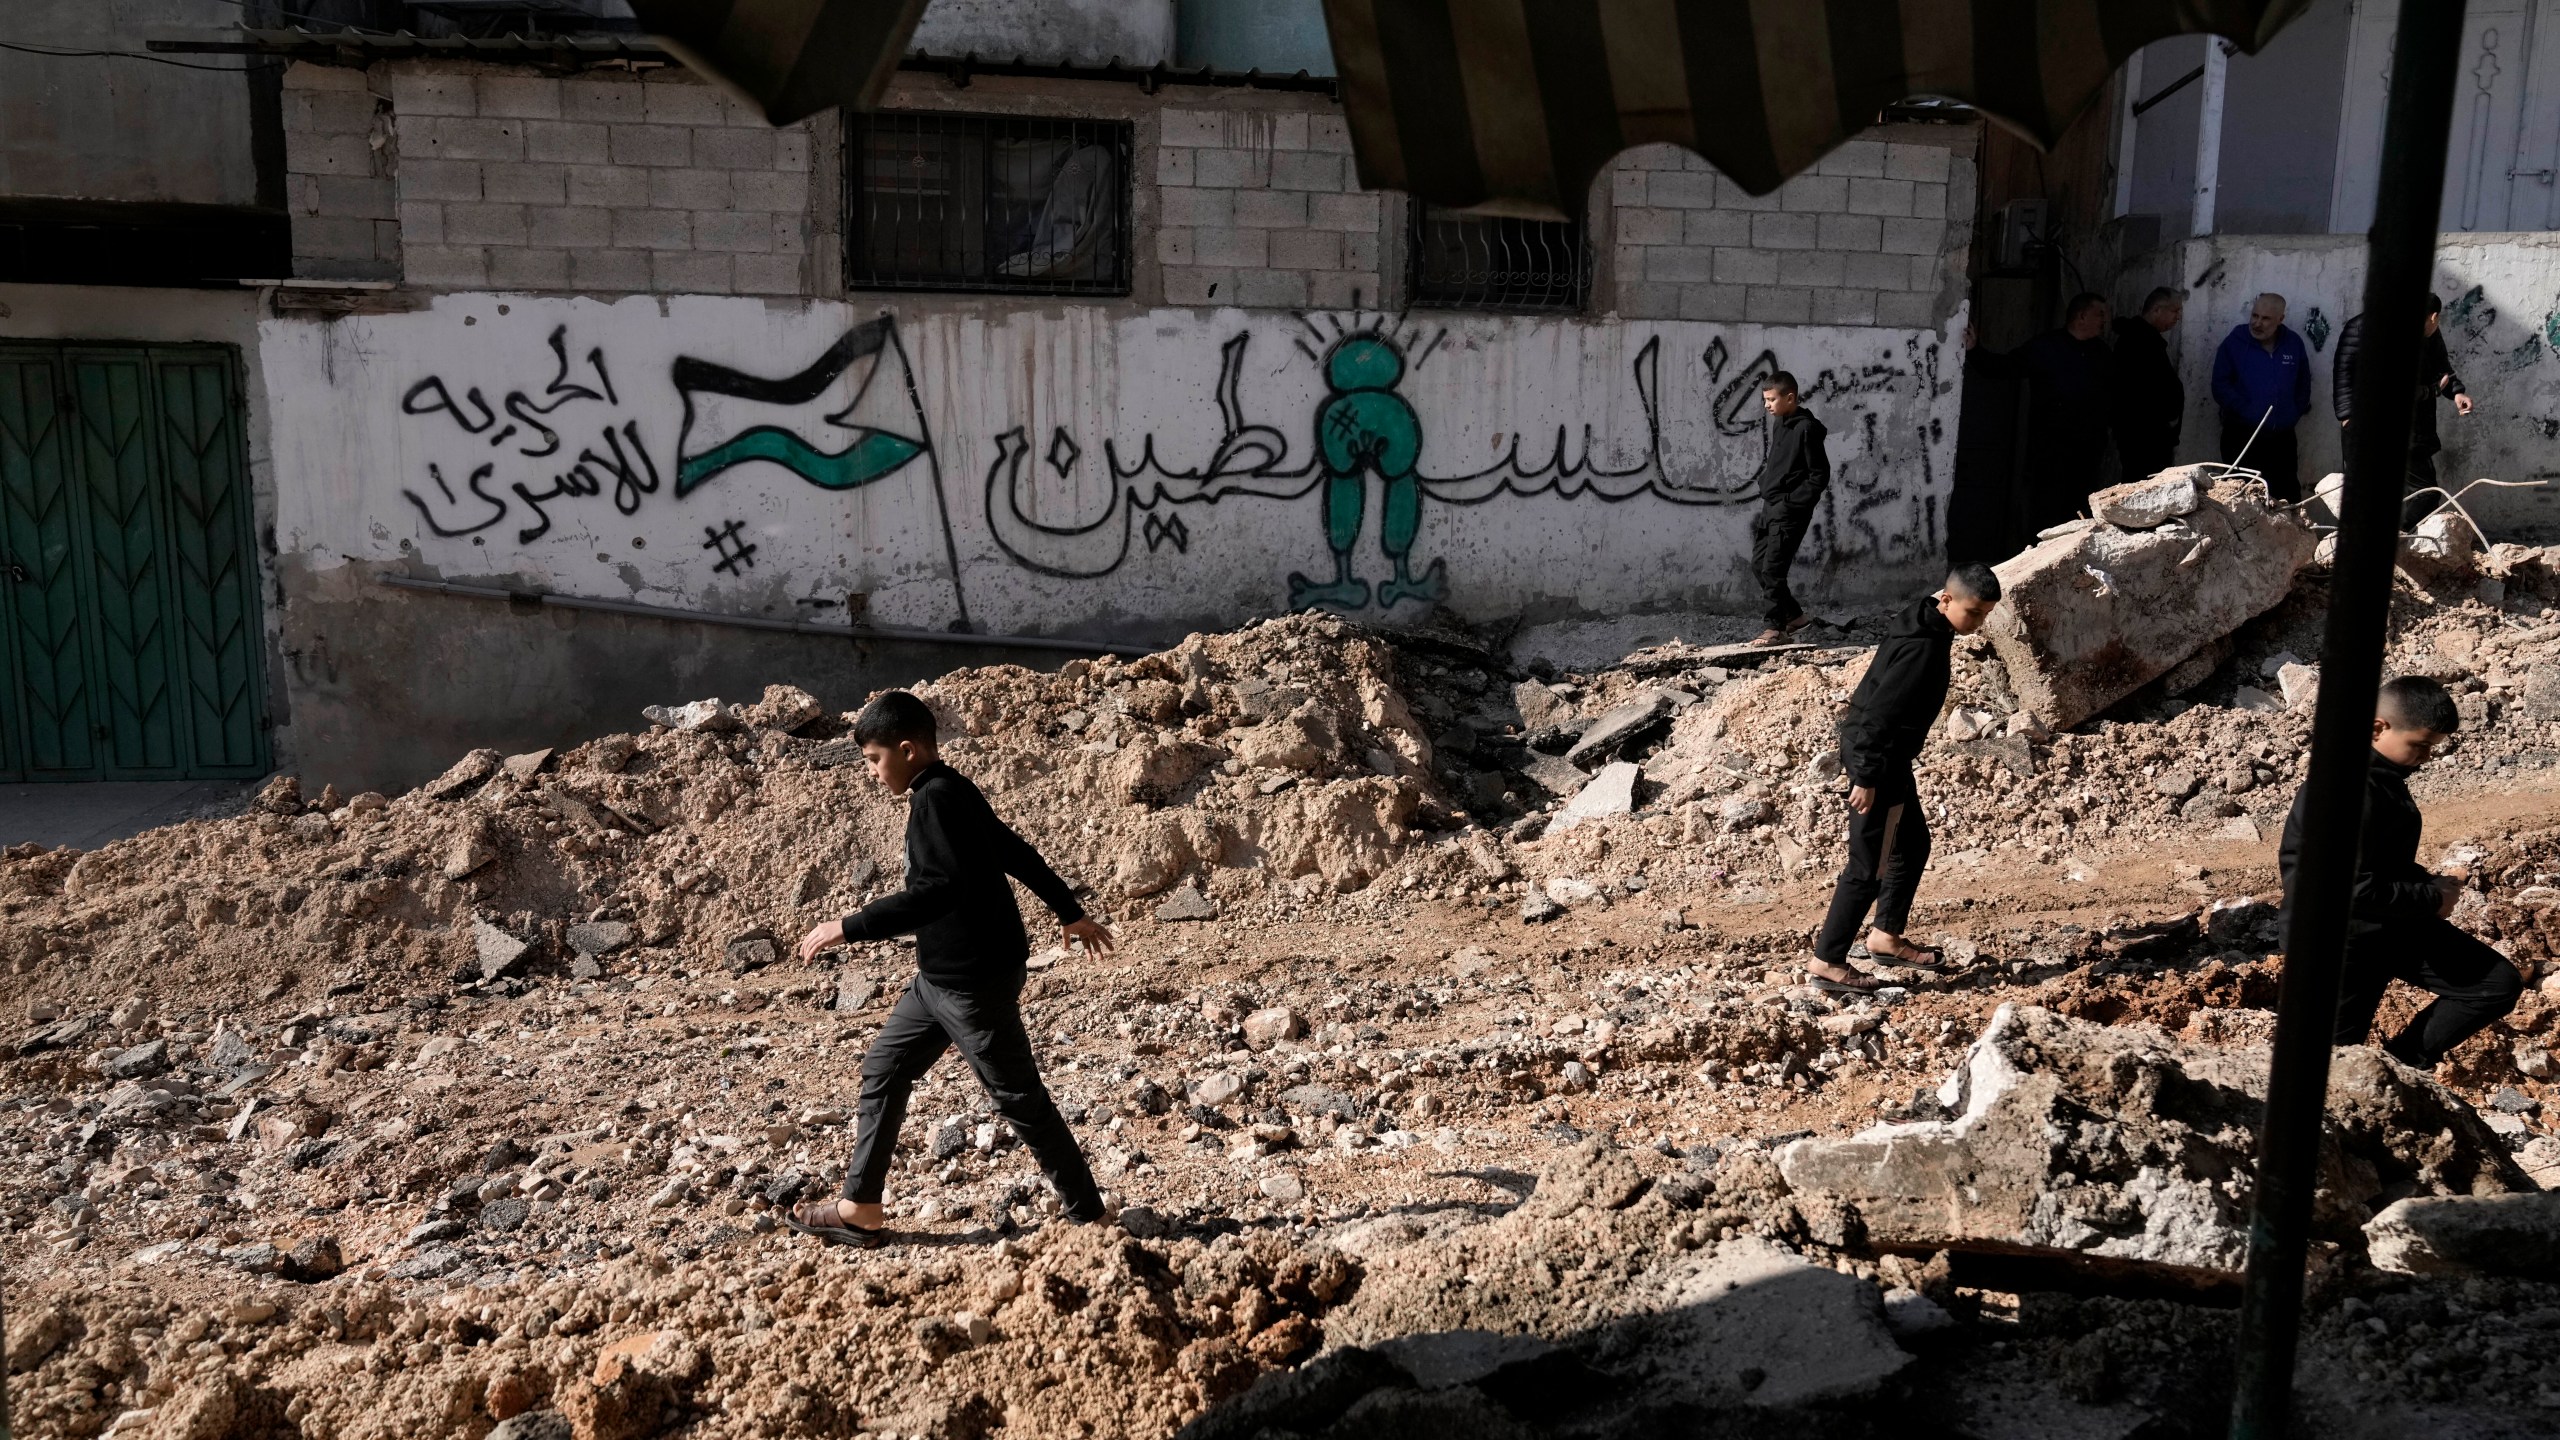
1622	725
2469	1235
2150	504
465	774
1187	903
522	768
1611	792
2072	649
497	952
708	716
598	937
2300	684
1266	1028
1551	774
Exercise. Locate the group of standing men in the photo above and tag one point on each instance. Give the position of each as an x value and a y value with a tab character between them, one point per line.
2083	390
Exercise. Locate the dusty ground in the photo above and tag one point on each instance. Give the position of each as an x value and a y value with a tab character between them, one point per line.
387	1176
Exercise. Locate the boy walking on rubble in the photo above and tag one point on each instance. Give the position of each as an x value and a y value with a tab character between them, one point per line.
1889	718
967	992
2397	928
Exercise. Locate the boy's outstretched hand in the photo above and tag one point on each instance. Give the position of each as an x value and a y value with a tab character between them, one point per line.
1090	931
824	937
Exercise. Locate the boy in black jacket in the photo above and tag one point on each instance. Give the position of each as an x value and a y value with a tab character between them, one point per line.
1792	481
2397	927
970	949
1887	721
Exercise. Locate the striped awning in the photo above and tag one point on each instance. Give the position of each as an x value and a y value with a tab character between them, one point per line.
794	58
1518	104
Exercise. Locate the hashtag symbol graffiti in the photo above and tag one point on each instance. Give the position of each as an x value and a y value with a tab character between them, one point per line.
735	554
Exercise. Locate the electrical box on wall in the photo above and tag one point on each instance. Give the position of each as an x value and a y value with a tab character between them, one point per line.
2020	225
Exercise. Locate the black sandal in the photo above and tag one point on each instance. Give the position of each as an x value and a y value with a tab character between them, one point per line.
802	1218
1934	961
1862	985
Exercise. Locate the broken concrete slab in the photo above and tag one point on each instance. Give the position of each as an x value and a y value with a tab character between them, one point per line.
1551	774
1187	902
599	937
2120	1149
1540	708
1625	723
466	772
522	768
1749	1324
1611	792
2300	684
2089	617
707	715
2148	504
854	990
2515	1235
498	952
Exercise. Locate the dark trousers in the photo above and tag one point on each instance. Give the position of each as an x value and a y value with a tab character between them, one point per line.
2273	454
2472	983
1888	848
2422	475
1775	538
986	1025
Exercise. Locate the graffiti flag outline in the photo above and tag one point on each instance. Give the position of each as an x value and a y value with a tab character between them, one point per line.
730	419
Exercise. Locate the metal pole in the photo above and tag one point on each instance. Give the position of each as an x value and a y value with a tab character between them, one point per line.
2400	261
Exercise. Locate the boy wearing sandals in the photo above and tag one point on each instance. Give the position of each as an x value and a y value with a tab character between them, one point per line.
1888	720
967	992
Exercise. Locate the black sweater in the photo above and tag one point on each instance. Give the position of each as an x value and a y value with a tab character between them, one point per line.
2435	378
1798	469
1892	709
2150	400
2391	886
956	900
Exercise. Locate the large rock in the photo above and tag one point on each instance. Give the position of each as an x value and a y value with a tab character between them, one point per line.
2469	1235
1611	792
2148	504
2122	1147
2089	617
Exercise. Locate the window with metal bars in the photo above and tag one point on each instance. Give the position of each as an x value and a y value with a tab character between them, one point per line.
1496	262
987	202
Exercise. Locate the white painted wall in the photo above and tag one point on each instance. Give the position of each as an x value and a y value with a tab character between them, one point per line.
1653	513
2501	341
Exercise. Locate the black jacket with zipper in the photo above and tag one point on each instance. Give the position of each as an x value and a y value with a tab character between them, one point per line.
1890	712
957	899
1798	469
2391	886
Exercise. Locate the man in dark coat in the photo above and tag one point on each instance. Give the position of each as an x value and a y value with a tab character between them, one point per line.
1792	481
2435	378
2068	384
2150	401
1888	720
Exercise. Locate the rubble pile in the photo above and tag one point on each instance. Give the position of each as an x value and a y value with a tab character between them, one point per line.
1453	1002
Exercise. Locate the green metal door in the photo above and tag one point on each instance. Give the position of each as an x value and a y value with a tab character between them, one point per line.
129	601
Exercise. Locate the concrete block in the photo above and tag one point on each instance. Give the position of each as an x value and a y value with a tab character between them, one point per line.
333	237
483	224
650	145
1772	231
1175	166
688	187
602	100
569	227
1644	300
687	272
2088	618
2516	1235
565	142
1190	205
454	267
769	274
356	196
1174	244
1907	310
1353	212
1682	190
424	179
1360	252
732	230
1309	170
1678	264
1778	305
526	97
421	223
328	155
1716	227
733	148
676	98
302	75
1198	285
1879	197
1857	157
1929	202
652	229
1231	169
332	112
790	234
1238	248
1811	267
460	139
1914	237
1289	131
608	270
1814	194
1930	163
1191	127
1844	307
772	190
1265	209
1848	232
1645	225
418	94
1611	792
791	148
1272	289
1875	272
1742	265
617	186
520	268
1306	250
526	184
1629	187
1731	196
1341	289
1330	133
1714	302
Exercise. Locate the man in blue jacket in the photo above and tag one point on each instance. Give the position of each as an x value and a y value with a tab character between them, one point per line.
2262	382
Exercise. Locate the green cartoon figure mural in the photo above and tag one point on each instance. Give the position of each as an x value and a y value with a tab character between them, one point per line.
1364	427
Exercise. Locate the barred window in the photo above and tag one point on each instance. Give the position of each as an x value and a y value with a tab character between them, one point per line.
986	202
1496	262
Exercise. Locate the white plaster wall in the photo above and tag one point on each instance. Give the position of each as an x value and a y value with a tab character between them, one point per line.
1036	410
2501	341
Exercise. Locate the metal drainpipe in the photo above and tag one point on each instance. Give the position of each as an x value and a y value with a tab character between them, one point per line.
757	622
2400	261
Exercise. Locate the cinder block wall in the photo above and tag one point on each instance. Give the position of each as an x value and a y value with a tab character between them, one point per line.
462	176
